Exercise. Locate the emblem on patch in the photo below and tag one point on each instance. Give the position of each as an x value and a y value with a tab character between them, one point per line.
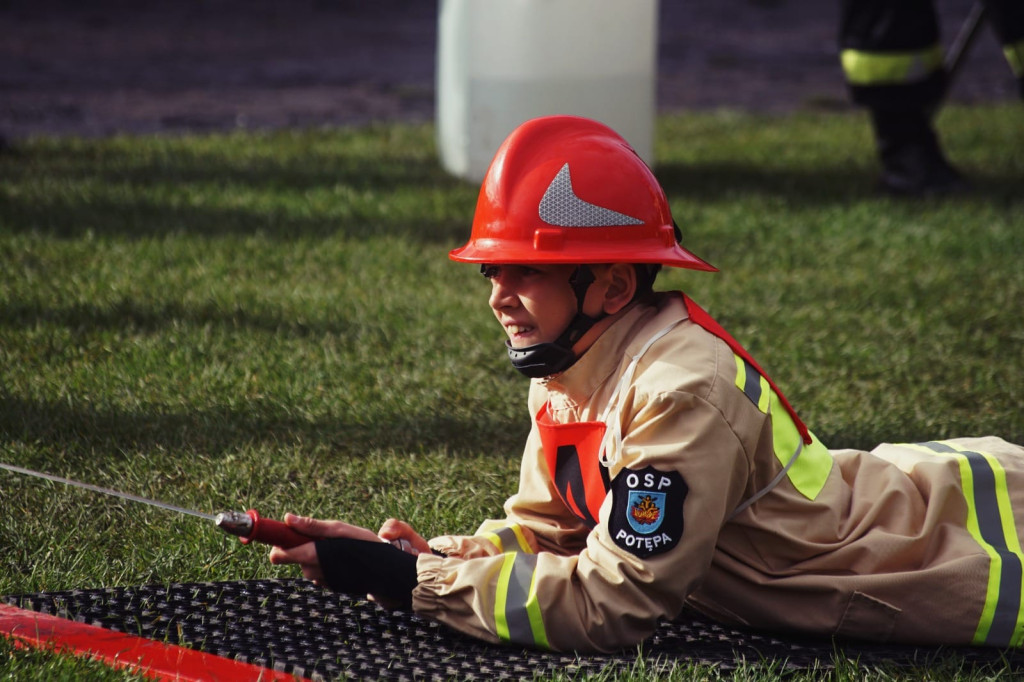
647	510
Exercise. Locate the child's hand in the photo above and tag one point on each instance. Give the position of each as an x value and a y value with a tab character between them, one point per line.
305	554
401	535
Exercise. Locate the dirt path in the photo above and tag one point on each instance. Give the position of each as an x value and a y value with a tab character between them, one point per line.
108	66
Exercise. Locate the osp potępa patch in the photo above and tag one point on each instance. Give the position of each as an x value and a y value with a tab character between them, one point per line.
647	510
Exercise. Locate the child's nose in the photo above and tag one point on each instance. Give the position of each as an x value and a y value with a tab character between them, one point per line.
503	294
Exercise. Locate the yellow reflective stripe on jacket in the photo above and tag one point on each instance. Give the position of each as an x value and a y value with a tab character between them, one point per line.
810	472
1015	57
890	68
517	616
752	383
509	539
814	463
990	522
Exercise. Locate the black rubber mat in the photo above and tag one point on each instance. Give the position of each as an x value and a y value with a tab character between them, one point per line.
295	627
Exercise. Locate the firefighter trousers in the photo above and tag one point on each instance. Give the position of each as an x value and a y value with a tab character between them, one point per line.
891	53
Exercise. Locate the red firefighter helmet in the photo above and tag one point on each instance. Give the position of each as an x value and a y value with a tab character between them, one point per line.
565	189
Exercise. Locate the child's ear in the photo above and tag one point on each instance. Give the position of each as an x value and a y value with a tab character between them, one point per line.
621	286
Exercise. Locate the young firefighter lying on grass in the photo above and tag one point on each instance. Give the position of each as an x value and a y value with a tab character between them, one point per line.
664	466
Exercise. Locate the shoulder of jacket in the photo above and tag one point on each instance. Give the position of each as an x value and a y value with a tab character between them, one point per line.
688	359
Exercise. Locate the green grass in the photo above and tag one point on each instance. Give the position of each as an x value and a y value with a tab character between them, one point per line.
271	321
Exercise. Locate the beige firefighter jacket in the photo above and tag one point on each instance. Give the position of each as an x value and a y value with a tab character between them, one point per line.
710	495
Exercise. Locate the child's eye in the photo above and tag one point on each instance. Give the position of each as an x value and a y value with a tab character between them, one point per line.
489	271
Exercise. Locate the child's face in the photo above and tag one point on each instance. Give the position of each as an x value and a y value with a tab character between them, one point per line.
533	303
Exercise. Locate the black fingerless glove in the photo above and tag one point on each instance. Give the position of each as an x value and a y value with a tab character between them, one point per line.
364	567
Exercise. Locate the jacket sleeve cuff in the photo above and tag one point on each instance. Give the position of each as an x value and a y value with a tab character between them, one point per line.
442	594
464	546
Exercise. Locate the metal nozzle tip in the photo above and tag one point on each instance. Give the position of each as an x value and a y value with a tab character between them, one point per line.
234	522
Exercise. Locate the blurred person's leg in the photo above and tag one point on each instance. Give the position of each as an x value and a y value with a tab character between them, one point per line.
1007	20
893	64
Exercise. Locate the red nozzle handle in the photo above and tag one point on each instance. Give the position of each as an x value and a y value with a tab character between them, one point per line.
272	532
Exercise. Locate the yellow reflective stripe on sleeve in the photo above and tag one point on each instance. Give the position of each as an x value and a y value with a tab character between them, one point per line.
524	546
495	540
540	634
750	381
500	597
509	539
1015	57
990	522
890	68
810	471
517	616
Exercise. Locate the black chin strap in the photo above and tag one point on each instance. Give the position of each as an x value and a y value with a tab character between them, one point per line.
545	359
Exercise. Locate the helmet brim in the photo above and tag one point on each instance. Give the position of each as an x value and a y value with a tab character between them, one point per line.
497	252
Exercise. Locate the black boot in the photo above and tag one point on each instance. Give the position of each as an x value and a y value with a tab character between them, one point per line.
912	160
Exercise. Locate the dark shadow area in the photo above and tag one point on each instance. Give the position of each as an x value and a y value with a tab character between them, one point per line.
812	187
135	213
89	430
360	160
132	316
143	219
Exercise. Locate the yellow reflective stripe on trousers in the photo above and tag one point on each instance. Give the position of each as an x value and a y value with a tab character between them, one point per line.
1015	57
814	462
990	522
509	539
890	68
517	616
